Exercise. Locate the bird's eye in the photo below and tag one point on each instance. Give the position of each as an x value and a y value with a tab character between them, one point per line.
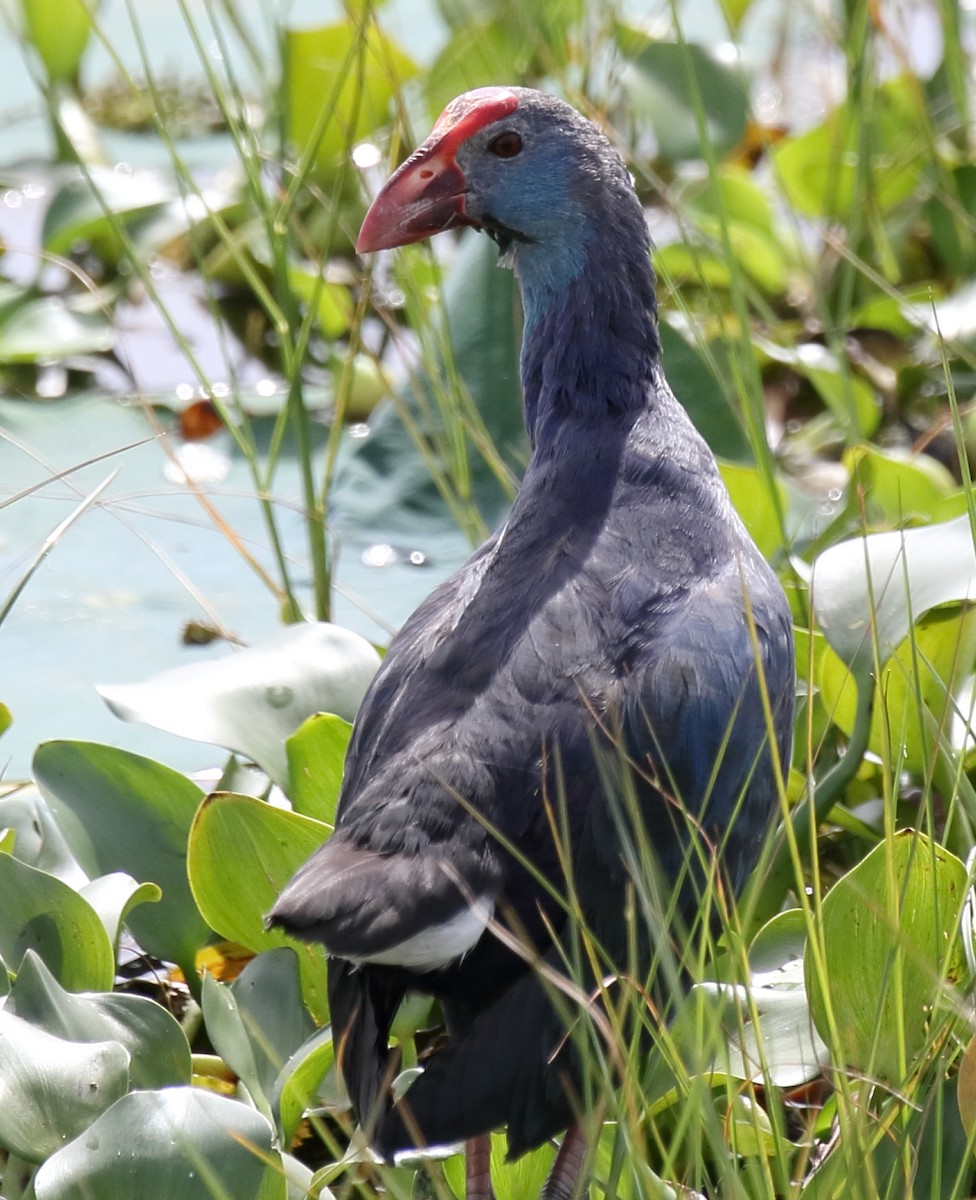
506	145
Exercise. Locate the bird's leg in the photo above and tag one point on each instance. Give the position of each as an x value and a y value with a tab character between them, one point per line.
567	1171
477	1168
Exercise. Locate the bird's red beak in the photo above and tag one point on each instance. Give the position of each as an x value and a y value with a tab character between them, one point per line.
427	194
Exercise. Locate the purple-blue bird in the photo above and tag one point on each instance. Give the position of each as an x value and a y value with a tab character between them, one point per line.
612	670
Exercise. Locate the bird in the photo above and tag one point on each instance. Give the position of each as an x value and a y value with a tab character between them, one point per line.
613	667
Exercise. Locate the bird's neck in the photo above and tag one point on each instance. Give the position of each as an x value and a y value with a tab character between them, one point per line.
591	346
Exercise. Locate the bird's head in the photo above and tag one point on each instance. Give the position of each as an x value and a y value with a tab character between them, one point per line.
517	163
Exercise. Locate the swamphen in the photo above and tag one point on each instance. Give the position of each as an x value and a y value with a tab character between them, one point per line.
618	650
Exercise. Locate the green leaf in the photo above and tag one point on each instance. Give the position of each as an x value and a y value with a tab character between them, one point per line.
122	812
258	1022
701	395
178	1142
480	54
296	1087
886	581
512	1180
899	487
340	81
242	853
316	758
6	719
752	502
40	913
157	1048
253	700
59	32
88	209
114	896
916	693
666	82
49	329
891	955
856	157
52	1089
38	840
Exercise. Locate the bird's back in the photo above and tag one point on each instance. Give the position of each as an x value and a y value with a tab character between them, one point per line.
609	641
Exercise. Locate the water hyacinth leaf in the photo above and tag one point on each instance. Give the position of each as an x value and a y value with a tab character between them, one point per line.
49	329
41	1102
966	1086
916	693
479	54
89	209
296	1087
899	487
340	81
241	854
886	581
849	397
752	502
38	840
891	950
334	307
114	896
690	377
785	1039
6	718
253	700
178	1141
316	757
824	171
666	82
258	1022
157	1047
511	1180
40	913
122	812
59	31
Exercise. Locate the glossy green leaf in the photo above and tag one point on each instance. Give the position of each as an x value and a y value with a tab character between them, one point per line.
38	840
853	155
480	54
340	80
316	758
52	1089
665	82
122	812
915	694
891	952
846	394
701	395
296	1087
252	700
114	896
334	307
258	1022
753	504
89	209
40	913
49	329
157	1047
177	1142
886	581
6	719
241	854
59	31
900	487
512	1180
